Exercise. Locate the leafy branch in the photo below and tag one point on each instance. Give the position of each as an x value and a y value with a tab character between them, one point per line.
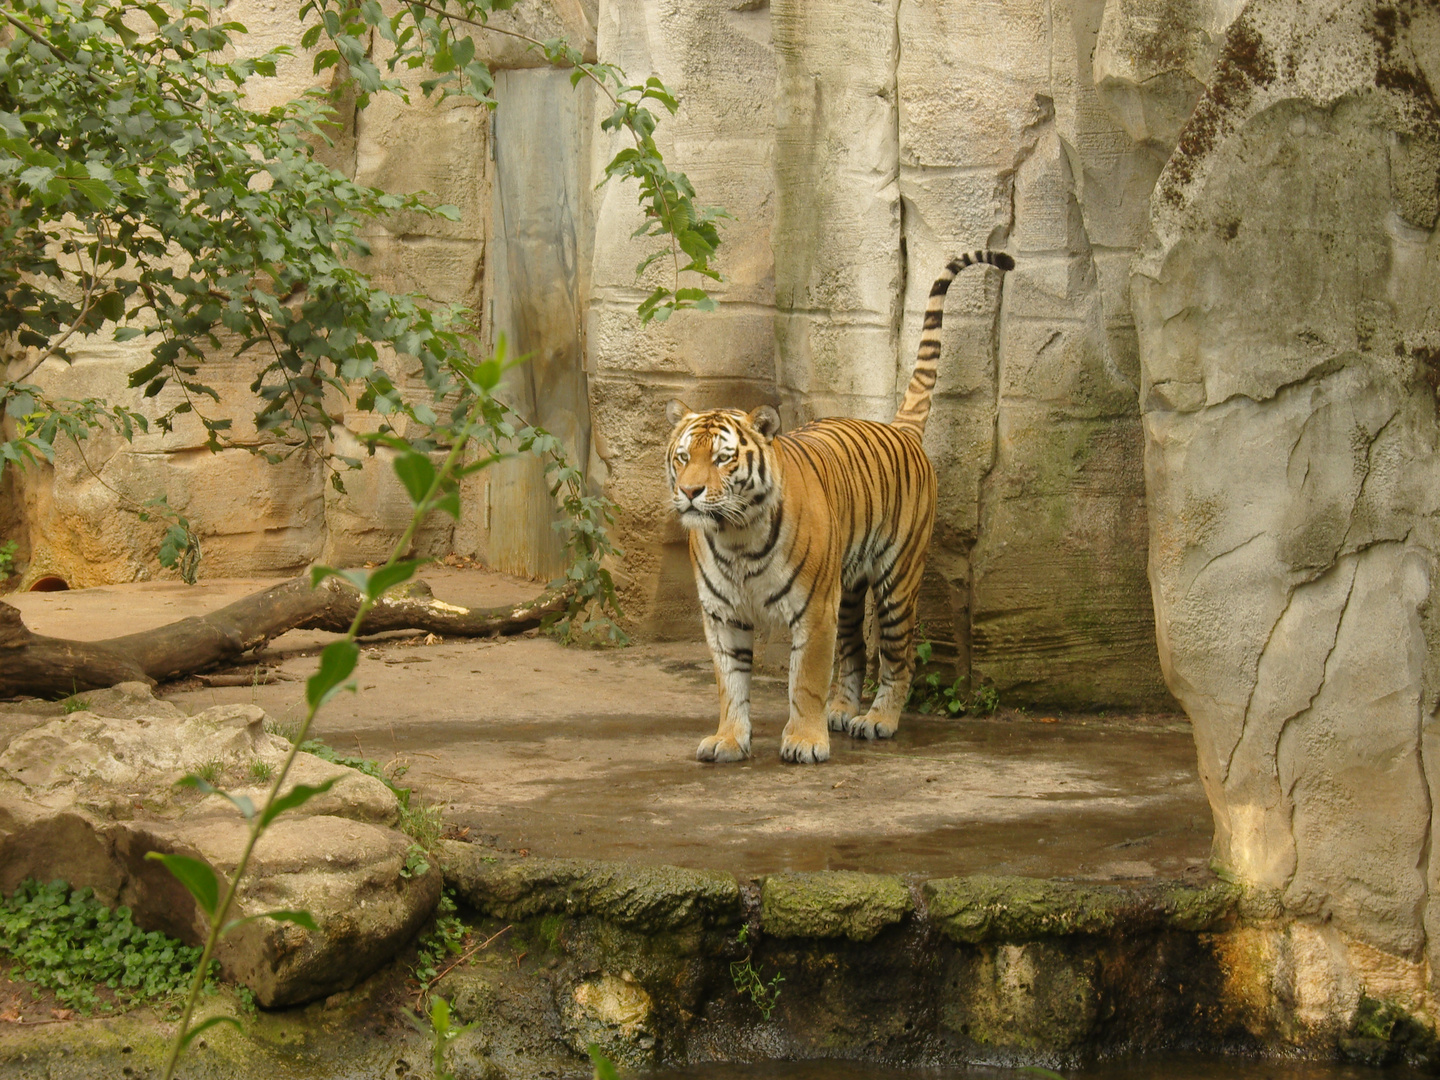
430	489
142	194
423	32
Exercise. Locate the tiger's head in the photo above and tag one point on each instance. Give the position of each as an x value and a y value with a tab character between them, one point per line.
720	465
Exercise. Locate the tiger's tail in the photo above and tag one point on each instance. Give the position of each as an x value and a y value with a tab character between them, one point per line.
915	409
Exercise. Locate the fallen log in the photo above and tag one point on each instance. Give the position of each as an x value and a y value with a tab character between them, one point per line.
33	664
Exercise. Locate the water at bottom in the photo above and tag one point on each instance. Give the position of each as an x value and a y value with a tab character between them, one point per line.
1158	1067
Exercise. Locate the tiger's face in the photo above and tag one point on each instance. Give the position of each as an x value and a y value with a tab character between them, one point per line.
720	465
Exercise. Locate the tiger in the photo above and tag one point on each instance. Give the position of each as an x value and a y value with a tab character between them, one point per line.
795	527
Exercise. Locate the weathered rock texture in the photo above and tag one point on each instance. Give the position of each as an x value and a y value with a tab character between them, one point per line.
1286	306
852	175
955	126
85	796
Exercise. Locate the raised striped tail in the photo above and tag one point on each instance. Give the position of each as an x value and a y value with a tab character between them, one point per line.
915	409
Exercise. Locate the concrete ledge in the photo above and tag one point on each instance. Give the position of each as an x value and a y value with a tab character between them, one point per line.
647	898
833	904
991	908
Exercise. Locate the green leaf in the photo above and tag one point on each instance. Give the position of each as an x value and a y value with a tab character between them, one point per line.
358	578
195	876
299	795
387	577
96	191
336	663
299	918
604	1067
417	473
450	503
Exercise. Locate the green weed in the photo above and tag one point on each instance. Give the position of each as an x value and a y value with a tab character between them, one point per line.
445	938
74	705
210	771
261	771
421	823
7	558
748	980
442	1033
368	766
931	694
416	864
67	941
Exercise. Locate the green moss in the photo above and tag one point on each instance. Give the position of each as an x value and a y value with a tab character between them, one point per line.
646	898
1383	1031
833	904
988	908
1185	908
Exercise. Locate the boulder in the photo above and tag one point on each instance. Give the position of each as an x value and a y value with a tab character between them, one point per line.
1289	347
85	796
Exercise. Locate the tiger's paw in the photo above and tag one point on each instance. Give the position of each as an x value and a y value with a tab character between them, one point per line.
839	719
871	726
722	749
805	751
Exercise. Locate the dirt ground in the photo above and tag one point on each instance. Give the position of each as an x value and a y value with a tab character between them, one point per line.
590	753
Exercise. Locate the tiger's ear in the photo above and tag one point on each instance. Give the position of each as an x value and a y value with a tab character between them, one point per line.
765	420
676	410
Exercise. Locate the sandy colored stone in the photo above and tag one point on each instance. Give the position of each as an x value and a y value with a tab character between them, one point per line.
615	1013
84	797
1286	323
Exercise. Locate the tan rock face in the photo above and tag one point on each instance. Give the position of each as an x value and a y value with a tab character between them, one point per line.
1285	304
852	175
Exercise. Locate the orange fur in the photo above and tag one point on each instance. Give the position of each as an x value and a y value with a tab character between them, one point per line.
795	528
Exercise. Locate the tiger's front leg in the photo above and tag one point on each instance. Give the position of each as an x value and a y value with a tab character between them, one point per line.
806	738
732	645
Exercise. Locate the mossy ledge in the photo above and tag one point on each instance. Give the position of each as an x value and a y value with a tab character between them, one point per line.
992	908
838	903
645	898
664	966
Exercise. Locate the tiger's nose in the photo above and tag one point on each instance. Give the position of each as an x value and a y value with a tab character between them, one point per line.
692	493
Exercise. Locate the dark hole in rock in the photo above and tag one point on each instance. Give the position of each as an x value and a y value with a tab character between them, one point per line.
50	584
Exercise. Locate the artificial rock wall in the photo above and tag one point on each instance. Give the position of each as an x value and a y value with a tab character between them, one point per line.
858	146
855	172
1288	306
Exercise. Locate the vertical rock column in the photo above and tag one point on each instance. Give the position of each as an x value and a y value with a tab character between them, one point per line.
1289	333
838	269
1040	540
715	55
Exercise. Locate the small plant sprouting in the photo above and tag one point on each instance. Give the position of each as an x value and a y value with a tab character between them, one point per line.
446	937
210	771
7	558
261	771
74	704
421	823
749	982
604	1067
416	864
930	694
442	1034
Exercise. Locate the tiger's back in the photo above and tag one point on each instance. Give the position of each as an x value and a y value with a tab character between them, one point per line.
797	528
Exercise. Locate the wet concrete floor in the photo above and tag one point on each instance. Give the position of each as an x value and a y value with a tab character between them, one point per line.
590	753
